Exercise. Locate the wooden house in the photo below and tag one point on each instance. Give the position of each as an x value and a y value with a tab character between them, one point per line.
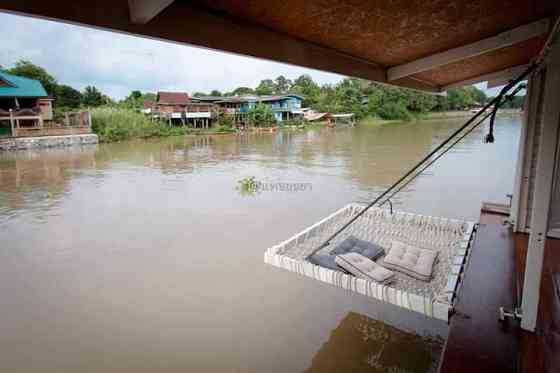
284	107
179	108
23	100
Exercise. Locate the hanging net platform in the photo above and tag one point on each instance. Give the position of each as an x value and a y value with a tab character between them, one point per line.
451	238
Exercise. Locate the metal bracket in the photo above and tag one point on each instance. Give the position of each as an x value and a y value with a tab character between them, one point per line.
516	314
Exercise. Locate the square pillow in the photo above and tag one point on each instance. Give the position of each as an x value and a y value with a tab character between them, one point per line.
362	267
354	245
411	260
326	261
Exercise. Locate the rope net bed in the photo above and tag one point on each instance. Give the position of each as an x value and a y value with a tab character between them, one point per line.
450	237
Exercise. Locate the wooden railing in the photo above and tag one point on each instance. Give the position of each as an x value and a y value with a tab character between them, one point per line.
78	119
74	123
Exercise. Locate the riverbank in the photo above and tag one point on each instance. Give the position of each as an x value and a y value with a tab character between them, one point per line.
44	142
436	115
464	114
116	124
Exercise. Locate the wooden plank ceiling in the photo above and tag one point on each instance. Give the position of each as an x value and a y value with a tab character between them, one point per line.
356	38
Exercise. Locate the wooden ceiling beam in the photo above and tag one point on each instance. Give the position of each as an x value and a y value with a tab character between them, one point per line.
143	11
499	41
503	75
185	23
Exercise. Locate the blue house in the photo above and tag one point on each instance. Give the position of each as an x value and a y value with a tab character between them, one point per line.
285	107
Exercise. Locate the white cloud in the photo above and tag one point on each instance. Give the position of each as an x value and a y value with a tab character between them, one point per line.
117	63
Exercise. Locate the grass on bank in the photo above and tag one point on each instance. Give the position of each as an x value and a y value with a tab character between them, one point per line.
118	124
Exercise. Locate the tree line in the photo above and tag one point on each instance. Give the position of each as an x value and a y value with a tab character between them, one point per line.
367	99
360	97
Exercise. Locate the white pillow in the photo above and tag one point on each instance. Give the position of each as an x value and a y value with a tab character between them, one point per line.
362	267
411	260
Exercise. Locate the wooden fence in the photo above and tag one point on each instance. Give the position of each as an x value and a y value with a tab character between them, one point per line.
74	123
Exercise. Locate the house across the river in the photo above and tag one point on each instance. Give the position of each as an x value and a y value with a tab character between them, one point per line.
25	101
180	108
27	120
284	107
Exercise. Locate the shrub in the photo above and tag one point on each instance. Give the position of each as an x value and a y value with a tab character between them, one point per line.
261	116
223	128
394	110
117	124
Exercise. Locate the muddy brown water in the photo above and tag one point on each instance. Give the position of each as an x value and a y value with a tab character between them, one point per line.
143	256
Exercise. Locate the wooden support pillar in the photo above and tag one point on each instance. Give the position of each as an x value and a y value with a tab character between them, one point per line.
542	190
529	140
12	124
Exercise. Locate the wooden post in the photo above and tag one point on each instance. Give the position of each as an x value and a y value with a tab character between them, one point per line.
12	126
542	191
520	200
89	118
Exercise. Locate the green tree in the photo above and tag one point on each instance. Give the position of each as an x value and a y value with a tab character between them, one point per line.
394	110
459	99
93	97
477	95
261	115
282	84
29	70
306	87
215	92
241	91
136	99
265	87
67	97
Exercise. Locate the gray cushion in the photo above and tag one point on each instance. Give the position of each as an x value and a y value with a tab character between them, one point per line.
354	245
326	261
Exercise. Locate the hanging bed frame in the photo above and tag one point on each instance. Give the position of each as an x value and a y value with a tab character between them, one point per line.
450	237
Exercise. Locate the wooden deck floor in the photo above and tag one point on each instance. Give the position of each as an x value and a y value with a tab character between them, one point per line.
477	342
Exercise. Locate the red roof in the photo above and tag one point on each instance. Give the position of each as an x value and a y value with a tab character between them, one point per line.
173	98
148	104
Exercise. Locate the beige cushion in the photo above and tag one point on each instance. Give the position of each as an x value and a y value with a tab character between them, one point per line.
411	260
362	267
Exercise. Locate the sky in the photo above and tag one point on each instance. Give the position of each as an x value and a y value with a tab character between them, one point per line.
118	64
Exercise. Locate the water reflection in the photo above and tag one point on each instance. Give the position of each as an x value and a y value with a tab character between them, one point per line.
37	180
143	256
362	344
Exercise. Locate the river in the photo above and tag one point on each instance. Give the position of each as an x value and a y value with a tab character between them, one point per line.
144	256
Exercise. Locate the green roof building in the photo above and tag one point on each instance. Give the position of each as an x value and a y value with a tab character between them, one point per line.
25	100
20	87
